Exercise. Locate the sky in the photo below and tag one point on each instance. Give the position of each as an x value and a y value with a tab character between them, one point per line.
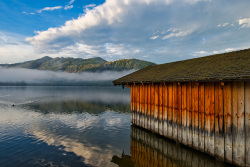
159	31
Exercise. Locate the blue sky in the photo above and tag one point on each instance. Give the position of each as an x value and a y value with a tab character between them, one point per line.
160	31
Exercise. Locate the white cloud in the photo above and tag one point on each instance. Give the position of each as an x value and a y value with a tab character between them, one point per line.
223	25
50	9
154	37
90	6
178	33
201	52
32	13
71	2
67	7
244	23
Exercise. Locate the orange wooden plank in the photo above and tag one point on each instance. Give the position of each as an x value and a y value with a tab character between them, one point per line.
152	101
179	114
219	123
238	123
247	123
141	104
165	108
195	115
149	106
143	107
201	116
160	113
137	104
228	121
146	107
207	117
189	115
175	111
156	109
170	111
211	113
184	112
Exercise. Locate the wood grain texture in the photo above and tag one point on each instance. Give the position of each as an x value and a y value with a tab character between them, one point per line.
160	113
211	113
156	109
207	117
219	122
247	123
201	116
189	115
195	115
165	110
138	105
170	111
175	111
145	106
184	112
149	107
238	123
179	114
228	121
152	101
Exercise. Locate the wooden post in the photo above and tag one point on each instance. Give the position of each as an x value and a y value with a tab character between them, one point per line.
170	111
184	112
195	115
156	109
175	111
228	121
165	110
219	122
189	115
160	113
247	122
201	116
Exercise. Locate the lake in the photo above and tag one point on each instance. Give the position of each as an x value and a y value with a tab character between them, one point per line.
82	126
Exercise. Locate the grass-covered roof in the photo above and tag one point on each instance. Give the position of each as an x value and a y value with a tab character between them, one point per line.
221	67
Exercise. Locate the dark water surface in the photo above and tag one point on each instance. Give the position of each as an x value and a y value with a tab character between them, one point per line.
81	126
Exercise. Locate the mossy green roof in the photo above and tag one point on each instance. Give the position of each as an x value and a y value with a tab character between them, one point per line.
221	67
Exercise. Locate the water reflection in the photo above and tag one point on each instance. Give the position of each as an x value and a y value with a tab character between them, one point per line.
148	149
66	126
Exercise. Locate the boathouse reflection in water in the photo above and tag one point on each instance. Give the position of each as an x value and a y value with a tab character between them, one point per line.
149	149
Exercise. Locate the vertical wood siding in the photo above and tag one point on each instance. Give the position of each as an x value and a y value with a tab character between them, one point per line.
210	117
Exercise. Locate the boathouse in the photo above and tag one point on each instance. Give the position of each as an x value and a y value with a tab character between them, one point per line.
203	103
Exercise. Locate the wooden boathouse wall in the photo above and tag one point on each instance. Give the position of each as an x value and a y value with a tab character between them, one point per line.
212	117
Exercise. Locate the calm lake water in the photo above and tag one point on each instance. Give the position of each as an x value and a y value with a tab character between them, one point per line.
81	126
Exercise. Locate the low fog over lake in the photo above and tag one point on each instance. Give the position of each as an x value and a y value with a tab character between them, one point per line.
37	77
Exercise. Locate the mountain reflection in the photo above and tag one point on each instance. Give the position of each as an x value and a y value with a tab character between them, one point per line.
76	106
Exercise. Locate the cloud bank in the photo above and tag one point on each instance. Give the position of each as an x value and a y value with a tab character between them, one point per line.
166	30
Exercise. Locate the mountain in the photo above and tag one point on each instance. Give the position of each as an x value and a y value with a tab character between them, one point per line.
76	65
